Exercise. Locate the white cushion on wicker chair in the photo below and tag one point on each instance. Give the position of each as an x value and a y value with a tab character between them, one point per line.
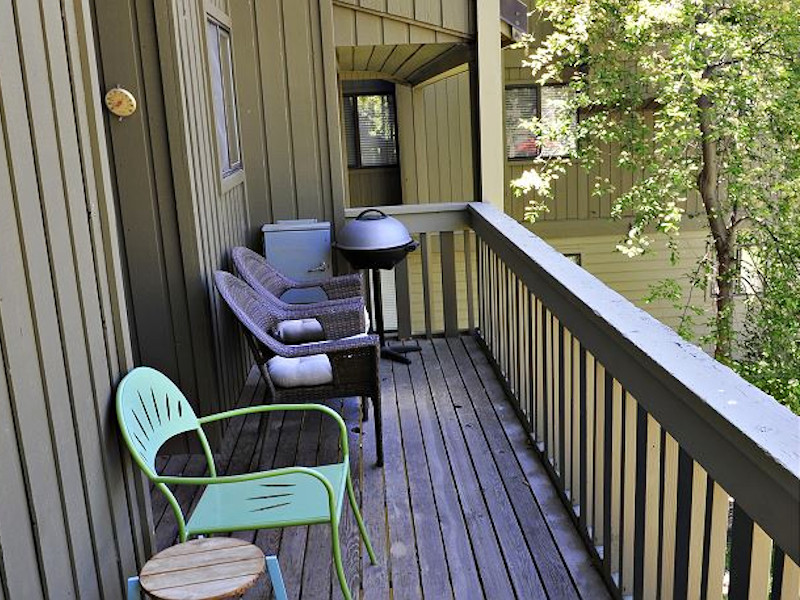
298	331
301	371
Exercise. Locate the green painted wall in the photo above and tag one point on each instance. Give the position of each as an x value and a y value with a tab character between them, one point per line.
71	521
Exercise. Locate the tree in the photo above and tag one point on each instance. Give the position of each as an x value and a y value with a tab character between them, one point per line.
701	96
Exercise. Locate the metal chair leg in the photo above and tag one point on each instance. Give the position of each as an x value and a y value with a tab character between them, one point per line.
134	589
361	527
337	560
276	578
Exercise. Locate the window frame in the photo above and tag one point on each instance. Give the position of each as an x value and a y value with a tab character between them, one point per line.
539	96
234	174
359	166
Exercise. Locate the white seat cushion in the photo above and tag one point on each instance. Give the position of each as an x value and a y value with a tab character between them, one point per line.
300	372
298	331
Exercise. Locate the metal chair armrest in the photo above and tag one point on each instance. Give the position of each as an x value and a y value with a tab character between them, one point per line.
219	479
250	410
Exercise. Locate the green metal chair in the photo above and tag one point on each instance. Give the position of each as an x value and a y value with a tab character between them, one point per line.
151	410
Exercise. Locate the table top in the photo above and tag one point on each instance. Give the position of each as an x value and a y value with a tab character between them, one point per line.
204	569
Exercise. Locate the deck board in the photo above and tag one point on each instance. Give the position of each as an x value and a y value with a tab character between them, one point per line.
462	509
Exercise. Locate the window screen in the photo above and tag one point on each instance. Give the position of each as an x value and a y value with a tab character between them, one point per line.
224	96
370	124
522	103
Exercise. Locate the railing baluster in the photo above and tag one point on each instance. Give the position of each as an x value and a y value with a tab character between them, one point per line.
561	426
609	556
426	283
540	384
566	417
717	527
589	453
669	499
787	578
600	464
468	275
531	345
583	440
403	295
627	547
741	553
642	507
577	432
449	289
683	524
547	380
696	538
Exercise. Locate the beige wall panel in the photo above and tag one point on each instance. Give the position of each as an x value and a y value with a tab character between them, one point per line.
369	31
403	8
421	35
395	32
344	26
451	18
437	132
633	277
69	525
374	186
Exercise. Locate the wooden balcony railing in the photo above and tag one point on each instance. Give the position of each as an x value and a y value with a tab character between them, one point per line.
683	479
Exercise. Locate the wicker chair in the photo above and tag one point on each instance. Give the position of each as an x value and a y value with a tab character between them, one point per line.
342	315
354	360
265	279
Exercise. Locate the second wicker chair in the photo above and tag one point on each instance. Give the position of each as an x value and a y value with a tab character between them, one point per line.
354	360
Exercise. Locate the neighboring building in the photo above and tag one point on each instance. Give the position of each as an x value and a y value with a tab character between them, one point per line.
580	224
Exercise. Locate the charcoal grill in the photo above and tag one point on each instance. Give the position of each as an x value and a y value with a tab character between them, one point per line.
375	241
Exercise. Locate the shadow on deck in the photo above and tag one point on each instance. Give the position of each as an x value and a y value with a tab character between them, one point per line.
463	507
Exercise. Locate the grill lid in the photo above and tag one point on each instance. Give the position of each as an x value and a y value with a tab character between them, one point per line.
373	230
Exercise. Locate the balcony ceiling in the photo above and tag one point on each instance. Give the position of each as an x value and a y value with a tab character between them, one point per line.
409	64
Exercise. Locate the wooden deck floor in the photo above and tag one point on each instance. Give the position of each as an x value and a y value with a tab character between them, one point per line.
463	507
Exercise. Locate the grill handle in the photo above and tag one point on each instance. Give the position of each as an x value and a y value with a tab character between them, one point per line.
369	210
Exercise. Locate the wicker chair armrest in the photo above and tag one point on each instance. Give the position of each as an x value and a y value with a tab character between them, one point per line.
344	286
339	318
325	347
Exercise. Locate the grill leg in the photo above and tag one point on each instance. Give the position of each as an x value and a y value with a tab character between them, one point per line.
364	408
376	405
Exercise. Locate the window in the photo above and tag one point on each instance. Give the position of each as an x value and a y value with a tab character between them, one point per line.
546	103
522	103
224	96
370	124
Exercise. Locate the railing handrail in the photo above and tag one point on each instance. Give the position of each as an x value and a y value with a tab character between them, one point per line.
744	439
424	218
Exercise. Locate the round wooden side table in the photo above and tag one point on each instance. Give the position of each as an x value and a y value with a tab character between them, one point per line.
203	569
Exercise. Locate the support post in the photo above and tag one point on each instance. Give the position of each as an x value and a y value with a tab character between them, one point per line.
490	103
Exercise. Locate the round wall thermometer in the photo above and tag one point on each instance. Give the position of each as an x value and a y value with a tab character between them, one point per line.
120	102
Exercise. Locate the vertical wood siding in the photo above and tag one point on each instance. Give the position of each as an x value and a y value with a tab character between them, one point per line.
285	65
70	518
435	136
212	215
378	22
633	277
375	186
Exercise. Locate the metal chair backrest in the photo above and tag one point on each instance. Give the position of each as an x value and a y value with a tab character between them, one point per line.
261	276
151	410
